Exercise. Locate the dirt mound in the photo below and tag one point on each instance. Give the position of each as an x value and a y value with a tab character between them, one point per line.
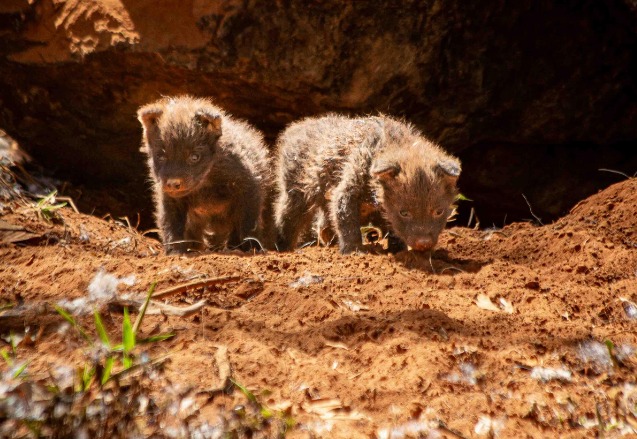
500	332
610	214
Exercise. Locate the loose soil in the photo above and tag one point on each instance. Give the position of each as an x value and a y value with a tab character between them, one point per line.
375	345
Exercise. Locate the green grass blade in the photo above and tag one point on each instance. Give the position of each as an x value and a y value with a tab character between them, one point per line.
53	207
290	422
611	348
142	311
20	370
265	412
47	199
128	336
461	197
245	391
33	426
155	338
108	367
6	356
7	306
69	318
101	330
87	377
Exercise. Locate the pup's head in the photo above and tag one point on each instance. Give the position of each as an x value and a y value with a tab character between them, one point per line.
416	190
180	137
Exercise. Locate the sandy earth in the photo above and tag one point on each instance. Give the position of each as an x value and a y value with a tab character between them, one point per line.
375	345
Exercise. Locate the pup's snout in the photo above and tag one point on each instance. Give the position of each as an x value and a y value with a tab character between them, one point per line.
423	243
174	184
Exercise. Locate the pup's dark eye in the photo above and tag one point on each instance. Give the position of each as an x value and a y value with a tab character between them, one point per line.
161	157
194	158
404	213
438	212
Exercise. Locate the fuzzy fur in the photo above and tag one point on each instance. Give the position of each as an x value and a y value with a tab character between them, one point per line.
211	175
357	170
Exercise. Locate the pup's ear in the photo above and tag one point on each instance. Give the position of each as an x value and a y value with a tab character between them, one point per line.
149	115
385	171
210	122
449	170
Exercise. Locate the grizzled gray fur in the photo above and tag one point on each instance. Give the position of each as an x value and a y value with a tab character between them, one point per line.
211	175
358	170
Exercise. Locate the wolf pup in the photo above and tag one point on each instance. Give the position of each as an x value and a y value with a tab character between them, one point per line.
211	174
361	169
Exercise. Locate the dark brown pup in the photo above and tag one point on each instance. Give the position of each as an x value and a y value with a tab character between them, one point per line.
211	175
359	170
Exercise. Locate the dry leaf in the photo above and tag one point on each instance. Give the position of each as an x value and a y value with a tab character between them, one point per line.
332	409
10	233
484	302
503	305
281	406
506	306
630	308
354	306
321	405
337	345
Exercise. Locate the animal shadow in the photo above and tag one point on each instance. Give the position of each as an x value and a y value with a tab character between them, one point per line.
439	262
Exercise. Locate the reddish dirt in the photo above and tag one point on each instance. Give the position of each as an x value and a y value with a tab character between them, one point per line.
397	342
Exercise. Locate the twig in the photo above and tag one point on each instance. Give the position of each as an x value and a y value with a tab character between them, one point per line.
443	426
41	313
477	226
489	232
70	201
531	210
459	235
308	244
452	268
137	366
179	311
183	241
194	285
250	238
473	211
160	308
127	221
615	172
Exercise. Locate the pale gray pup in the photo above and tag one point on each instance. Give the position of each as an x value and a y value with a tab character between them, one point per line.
357	170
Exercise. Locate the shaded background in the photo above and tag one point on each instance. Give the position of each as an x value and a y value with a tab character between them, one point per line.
533	96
